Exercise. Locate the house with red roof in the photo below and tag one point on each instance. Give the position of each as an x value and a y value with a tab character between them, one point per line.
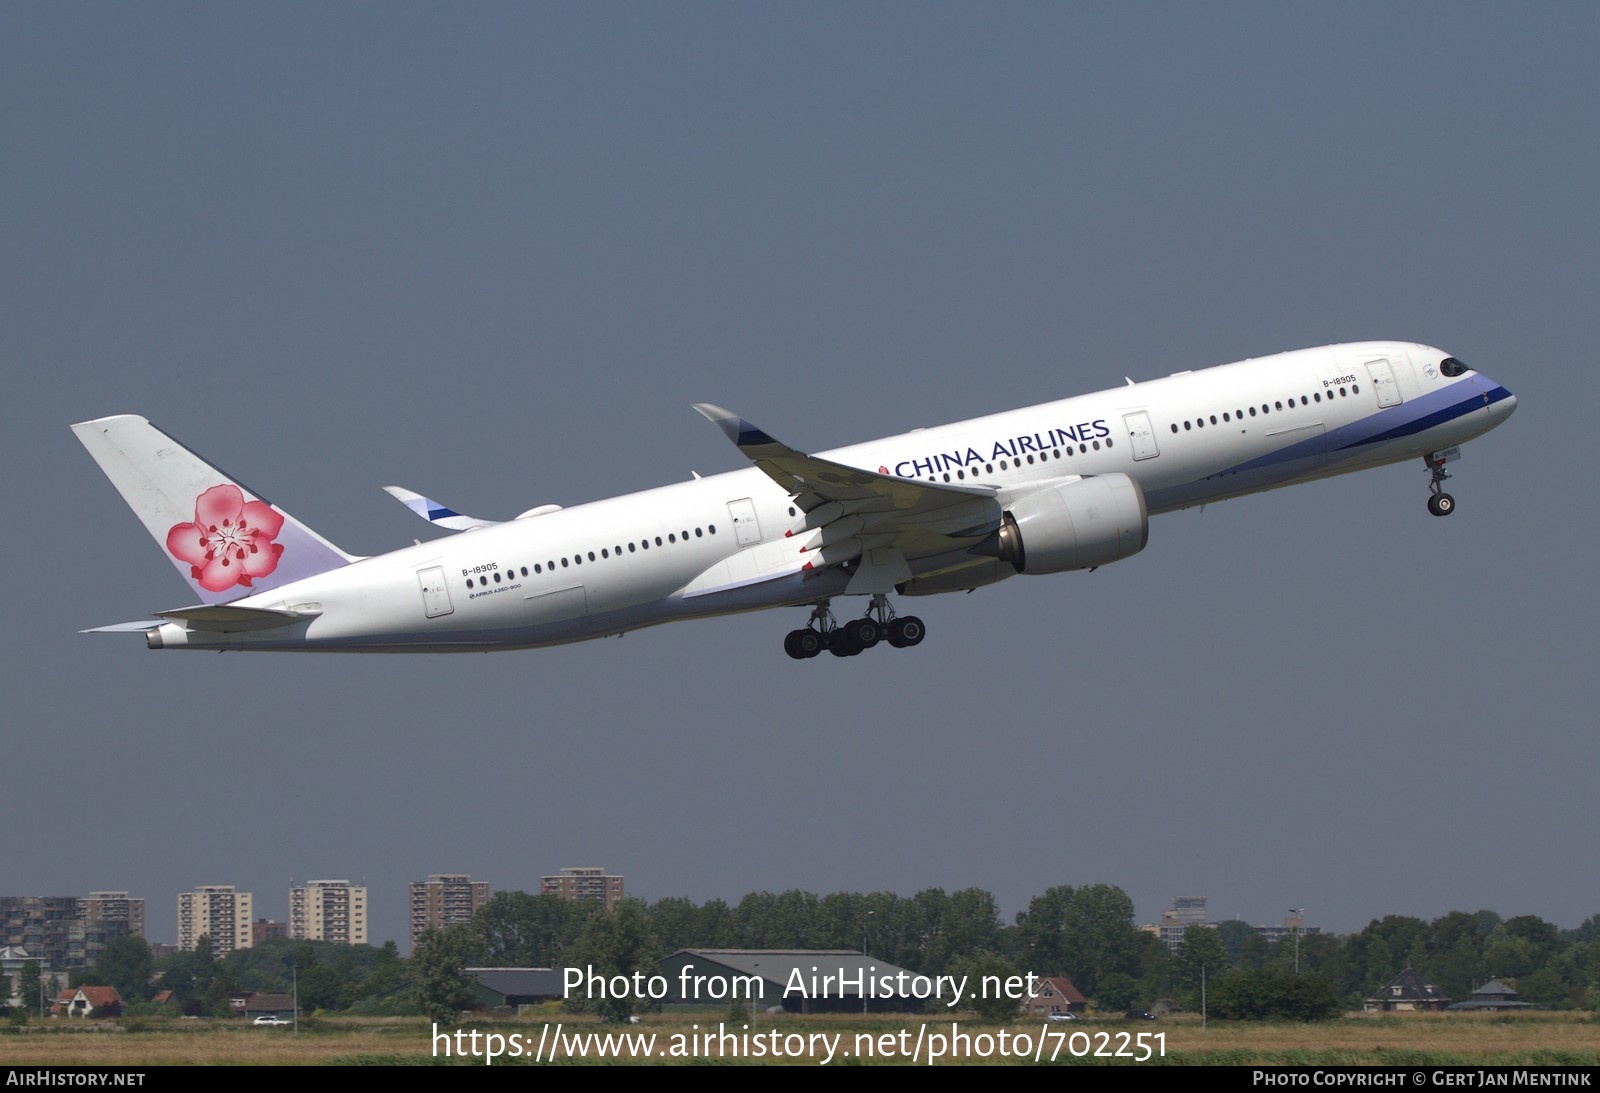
88	1002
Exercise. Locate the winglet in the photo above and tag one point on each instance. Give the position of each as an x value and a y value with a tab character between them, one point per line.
435	513
736	428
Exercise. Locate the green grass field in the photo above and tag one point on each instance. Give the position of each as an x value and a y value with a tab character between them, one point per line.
1559	1039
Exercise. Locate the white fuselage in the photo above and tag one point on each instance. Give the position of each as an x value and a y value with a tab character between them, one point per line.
619	564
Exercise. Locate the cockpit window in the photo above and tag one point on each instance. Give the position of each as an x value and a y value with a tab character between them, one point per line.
1452	367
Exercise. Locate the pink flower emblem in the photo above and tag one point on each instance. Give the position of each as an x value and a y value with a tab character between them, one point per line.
230	541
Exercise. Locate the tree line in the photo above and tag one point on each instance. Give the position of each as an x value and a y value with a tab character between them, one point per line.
1084	933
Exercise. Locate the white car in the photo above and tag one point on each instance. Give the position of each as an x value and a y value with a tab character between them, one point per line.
1061	1016
270	1019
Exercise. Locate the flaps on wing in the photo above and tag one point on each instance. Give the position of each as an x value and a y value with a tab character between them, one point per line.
228	619
860	513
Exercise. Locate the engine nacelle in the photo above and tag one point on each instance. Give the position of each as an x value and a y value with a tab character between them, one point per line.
1077	525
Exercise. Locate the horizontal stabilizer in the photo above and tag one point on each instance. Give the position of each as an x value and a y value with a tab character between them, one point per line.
141	627
227	619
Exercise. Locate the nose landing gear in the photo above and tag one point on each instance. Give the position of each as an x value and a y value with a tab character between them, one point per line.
1441	503
853	636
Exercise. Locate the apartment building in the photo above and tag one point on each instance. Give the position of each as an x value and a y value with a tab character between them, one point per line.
328	910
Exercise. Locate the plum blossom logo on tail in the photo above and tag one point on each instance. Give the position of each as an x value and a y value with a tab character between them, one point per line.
230	542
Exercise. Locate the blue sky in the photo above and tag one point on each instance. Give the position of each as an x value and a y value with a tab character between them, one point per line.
494	252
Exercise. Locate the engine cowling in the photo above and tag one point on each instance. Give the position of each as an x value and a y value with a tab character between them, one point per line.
1076	525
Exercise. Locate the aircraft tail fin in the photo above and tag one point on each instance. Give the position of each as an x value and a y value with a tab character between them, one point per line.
226	541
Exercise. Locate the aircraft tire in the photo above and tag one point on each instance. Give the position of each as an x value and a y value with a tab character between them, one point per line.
1441	504
807	642
909	631
863	632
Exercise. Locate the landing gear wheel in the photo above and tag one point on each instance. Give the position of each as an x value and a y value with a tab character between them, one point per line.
906	631
1441	504
862	632
802	644
841	644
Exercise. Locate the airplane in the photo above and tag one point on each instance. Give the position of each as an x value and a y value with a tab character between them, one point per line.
1061	486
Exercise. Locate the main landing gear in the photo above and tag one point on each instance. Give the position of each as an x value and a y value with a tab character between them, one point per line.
854	635
1441	503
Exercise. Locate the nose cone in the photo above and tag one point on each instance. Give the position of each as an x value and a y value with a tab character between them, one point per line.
1501	402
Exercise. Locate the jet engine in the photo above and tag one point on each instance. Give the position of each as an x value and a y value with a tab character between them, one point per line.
1076	525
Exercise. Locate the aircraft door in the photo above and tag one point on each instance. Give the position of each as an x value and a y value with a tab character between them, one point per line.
1383	382
435	596
1141	435
746	529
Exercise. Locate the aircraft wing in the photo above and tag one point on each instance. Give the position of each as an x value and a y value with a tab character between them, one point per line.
813	482
873	521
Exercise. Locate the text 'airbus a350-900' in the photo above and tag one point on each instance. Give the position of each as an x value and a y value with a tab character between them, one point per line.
1060	486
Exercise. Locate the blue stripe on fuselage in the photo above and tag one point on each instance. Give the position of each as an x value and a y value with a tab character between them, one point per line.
1406	419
